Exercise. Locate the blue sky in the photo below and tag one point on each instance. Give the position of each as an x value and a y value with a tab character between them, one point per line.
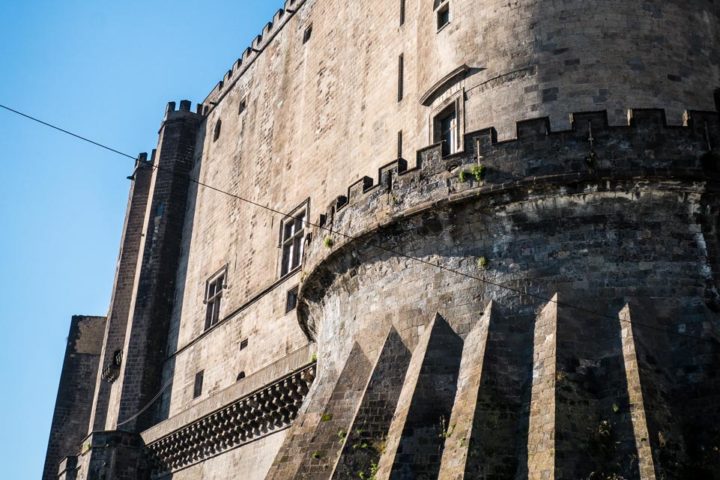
105	70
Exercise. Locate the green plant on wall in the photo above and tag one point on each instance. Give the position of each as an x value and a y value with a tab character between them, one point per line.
445	430
478	172
380	445
328	242
374	467
482	263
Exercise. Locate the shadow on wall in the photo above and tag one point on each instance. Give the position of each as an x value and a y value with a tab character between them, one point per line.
162	410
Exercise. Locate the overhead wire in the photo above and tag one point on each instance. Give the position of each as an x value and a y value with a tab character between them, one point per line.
438	265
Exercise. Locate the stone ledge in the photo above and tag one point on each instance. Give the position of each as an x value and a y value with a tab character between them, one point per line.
287	365
254	416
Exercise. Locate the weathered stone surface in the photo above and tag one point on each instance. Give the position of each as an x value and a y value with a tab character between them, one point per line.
366	439
320	454
112	455
542	431
460	426
421	422
646	464
571	175
103	417
75	394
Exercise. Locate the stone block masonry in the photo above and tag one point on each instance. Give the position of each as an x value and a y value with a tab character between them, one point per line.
75	394
106	390
554	155
154	287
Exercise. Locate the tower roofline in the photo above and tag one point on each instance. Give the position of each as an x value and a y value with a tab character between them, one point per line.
251	53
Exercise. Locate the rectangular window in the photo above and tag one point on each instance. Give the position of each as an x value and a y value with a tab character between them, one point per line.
213	297
399	144
292	237
402	12
307	34
401	75
291	302
443	15
244	344
446	130
216	133
197	388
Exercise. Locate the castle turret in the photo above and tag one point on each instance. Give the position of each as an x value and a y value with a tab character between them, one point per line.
154	288
444	240
134	349
113	346
529	59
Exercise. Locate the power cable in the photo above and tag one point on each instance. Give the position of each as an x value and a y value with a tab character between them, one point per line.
349	237
68	132
438	265
147	405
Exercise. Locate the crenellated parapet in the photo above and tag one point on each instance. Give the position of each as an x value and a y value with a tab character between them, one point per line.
172	110
251	53
591	151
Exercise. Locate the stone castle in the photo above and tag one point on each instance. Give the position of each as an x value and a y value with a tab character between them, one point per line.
421	239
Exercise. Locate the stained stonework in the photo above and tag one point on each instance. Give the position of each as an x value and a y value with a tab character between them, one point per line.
529	292
75	395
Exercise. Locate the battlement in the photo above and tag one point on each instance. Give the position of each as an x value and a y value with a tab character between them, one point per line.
591	150
257	46
185	107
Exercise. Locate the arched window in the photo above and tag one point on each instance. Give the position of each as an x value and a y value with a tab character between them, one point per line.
218	126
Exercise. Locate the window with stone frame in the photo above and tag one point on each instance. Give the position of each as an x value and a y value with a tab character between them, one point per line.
292	238
446	130
442	13
213	298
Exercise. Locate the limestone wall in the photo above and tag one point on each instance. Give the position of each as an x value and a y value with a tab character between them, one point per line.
319	114
75	394
563	237
305	113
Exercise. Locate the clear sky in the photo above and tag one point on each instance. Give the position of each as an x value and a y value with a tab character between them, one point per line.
104	69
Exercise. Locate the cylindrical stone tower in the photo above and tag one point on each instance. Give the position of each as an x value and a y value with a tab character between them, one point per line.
538	298
533	58
528	290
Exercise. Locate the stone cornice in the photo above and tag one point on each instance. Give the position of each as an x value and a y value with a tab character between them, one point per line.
264	412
